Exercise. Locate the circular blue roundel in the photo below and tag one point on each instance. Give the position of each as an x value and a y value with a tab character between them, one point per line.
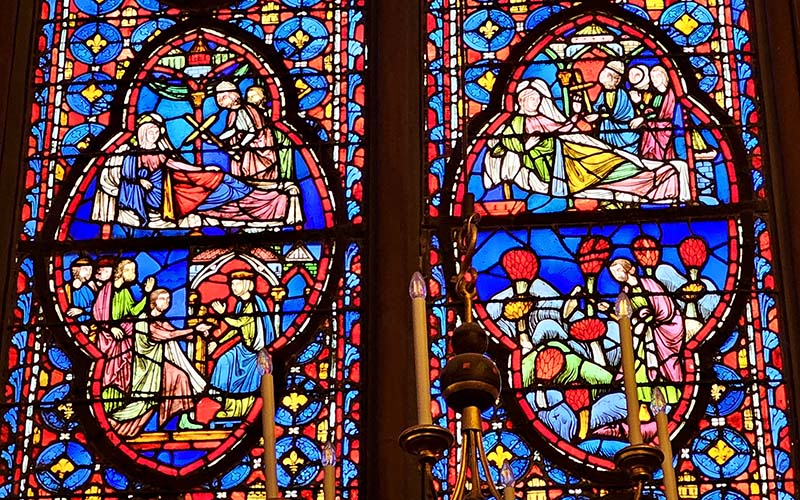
115	479
300	4
298	461
299	406
634	9
76	140
311	85
723	495
55	413
688	23
510	443
300	38
96	43
147	30
706	73
480	78
151	5
251	27
721	453
91	93
541	14
63	466
488	30
727	395
243	4
97	7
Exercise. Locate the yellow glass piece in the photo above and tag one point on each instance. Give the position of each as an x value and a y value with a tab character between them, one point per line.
686	24
269	13
299	39
489	29
94	493
92	93
62	467
322	431
293	461
536	489
717	391
655	4
687	488
97	43
742	358
278	293
302	88
721	452
749	421
499	456
294	401
487	80
66	410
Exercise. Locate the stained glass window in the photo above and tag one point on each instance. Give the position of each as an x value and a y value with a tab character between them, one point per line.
193	194
610	147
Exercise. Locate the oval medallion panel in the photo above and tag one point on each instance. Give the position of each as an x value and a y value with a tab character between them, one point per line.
600	167
205	143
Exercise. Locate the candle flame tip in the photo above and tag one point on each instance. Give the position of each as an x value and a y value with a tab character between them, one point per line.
659	402
329	454
623	306
506	474
264	361
417	289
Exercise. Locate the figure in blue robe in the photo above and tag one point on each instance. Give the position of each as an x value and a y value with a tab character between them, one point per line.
616	110
236	373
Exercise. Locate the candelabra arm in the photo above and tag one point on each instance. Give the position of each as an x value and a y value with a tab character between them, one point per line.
461	479
428	444
485	462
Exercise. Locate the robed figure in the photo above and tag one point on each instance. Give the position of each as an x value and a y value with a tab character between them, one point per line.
164	379
236	374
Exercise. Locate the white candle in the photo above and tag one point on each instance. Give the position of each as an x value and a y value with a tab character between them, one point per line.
268	423
329	472
658	406
418	291
507	478
623	308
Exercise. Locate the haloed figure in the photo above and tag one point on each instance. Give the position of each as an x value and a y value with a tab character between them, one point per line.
236	372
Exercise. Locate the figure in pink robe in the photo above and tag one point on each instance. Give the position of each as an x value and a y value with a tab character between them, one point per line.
657	143
164	379
116	348
246	131
656	314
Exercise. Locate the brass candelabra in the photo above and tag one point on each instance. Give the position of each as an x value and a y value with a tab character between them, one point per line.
471	384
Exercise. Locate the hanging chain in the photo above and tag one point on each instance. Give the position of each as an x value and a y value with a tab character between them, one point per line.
466	238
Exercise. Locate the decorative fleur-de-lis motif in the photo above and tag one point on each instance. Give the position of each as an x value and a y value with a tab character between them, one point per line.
717	391
294	401
62	467
499	456
92	93
97	43
487	80
299	39
489	29
293	461
66	410
721	452
302	88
